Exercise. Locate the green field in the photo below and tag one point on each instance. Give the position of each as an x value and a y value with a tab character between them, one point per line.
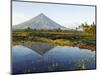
55	37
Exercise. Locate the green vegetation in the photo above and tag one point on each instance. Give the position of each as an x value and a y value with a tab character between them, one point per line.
88	28
83	39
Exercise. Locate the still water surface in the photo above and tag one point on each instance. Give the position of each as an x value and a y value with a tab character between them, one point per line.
25	60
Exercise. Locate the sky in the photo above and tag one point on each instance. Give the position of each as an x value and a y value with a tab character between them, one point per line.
69	16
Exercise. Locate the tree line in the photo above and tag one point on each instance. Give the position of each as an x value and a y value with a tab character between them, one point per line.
87	28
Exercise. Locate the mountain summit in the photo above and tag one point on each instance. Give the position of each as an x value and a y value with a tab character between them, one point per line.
39	22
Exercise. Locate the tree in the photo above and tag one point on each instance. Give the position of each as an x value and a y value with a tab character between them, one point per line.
93	28
28	28
59	29
76	28
88	28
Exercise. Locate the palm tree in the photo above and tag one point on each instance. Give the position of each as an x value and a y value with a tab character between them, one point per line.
76	28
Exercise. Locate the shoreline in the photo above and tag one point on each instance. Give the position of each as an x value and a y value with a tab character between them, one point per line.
81	46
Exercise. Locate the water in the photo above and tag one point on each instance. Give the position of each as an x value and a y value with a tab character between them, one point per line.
25	60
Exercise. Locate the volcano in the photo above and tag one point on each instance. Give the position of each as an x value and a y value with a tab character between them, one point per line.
39	22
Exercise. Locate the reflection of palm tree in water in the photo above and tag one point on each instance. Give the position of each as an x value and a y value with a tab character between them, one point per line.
81	65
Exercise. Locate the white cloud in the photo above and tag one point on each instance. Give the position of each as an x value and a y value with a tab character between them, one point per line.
19	18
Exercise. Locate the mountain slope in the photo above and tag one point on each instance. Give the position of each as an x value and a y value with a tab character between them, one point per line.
39	22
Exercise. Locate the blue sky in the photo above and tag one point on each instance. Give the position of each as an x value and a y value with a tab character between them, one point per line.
69	16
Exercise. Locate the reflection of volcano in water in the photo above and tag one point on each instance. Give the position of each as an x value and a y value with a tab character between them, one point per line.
23	59
26	60
40	48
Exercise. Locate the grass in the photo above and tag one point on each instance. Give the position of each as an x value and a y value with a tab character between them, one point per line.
56	38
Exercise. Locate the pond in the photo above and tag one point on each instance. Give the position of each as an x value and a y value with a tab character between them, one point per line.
59	58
